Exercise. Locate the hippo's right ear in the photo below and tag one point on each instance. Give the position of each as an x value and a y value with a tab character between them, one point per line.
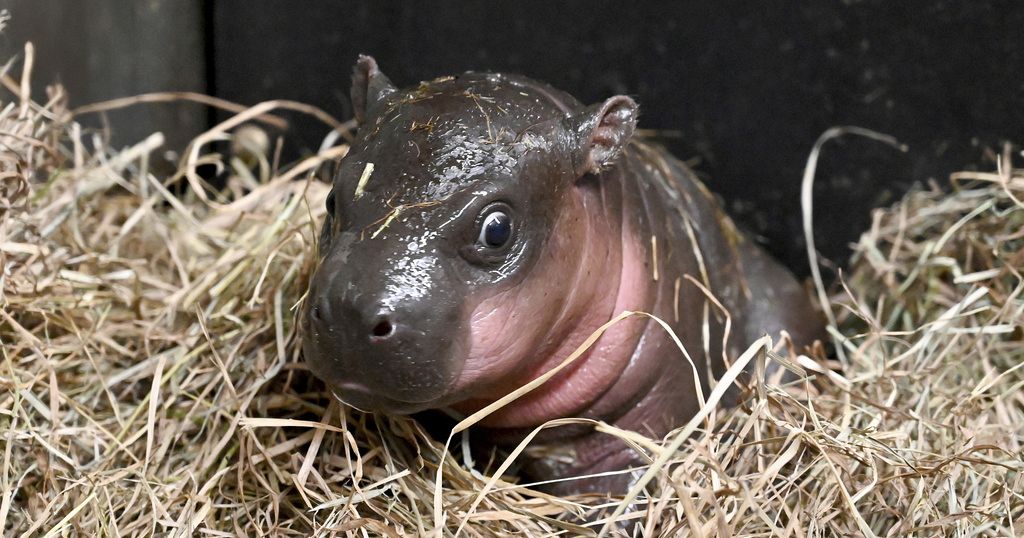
601	132
369	86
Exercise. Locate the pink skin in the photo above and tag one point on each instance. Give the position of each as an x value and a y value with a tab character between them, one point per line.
590	273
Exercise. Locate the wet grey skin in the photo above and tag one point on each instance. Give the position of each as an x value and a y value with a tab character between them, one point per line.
403	260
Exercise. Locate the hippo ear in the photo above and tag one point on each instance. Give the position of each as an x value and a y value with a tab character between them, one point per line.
601	133
369	86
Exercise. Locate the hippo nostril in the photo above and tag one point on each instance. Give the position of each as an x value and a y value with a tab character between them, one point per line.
383	329
315	313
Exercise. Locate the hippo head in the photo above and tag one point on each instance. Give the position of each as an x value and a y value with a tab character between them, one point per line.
453	231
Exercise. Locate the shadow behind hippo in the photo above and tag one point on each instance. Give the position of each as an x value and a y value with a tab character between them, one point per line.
484	225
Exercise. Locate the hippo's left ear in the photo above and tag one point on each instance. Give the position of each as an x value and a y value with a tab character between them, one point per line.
369	86
601	132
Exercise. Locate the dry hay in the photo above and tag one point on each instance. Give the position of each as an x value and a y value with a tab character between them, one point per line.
151	384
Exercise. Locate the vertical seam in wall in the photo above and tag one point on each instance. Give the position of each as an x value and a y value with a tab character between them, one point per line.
209	56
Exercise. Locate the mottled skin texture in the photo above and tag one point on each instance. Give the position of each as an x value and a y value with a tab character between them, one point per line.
410	311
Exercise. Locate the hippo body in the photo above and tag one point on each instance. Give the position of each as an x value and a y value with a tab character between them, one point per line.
483	226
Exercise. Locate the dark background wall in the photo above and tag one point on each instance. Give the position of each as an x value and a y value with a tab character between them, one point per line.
742	89
104	49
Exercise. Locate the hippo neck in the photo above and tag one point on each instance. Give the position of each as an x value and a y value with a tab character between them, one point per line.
636	212
689	225
650	200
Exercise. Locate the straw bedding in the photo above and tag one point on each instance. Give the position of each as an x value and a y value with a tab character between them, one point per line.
151	381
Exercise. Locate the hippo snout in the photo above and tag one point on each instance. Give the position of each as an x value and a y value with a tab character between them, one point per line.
375	324
380	344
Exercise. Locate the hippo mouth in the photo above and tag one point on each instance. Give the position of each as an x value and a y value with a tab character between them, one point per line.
370	395
363	398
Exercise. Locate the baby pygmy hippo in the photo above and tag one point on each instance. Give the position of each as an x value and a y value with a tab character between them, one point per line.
484	225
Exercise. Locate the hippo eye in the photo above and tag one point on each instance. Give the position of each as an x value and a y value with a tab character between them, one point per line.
330	202
495	230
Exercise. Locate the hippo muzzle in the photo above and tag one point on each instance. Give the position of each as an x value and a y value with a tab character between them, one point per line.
384	340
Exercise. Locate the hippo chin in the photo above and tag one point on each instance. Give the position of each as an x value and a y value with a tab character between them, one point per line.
484	225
